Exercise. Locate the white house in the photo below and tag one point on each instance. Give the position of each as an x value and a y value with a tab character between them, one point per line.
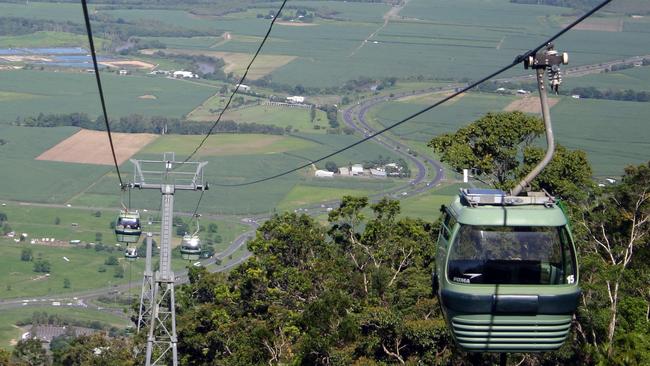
243	87
575	96
123	72
323	174
185	75
296	99
522	92
357	169
381	173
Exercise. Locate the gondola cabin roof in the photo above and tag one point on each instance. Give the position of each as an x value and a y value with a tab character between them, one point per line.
486	207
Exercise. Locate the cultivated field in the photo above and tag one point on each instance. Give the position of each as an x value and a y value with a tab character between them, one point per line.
227	144
35	92
296	118
529	104
28	179
236	62
92	147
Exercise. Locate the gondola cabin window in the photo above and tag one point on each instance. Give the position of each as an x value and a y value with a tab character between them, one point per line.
530	255
448	223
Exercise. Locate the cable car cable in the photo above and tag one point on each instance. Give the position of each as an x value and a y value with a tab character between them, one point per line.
241	80
100	89
516	61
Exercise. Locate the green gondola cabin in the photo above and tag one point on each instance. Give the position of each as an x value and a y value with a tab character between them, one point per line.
506	272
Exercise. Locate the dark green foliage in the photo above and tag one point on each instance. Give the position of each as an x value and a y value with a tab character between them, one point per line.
306	299
30	352
136	123
42	266
119	272
568	175
331	166
26	255
111	261
83	351
490	145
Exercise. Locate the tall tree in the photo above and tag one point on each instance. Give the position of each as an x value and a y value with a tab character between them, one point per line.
617	229
489	145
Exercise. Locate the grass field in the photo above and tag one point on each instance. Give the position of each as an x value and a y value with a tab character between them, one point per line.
227	144
75	224
81	270
68	92
49	39
637	79
306	195
52	11
9	317
296	118
611	132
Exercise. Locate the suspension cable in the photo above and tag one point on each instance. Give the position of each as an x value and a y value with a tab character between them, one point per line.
516	61
241	80
100	89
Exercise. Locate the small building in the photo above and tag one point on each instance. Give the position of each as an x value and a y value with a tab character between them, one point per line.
185	75
296	99
357	169
378	172
575	96
501	90
344	171
324	174
522	92
123	72
243	87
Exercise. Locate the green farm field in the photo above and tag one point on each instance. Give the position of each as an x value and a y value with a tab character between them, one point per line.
613	133
35	92
69	12
10	332
243	158
446	118
637	79
49	39
27	179
584	124
296	118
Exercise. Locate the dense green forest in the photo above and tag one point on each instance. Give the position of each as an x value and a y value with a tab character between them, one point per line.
358	290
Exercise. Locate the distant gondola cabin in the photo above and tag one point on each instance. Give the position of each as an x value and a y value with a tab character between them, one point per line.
127	227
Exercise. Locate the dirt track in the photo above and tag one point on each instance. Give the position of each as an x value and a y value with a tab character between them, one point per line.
92	147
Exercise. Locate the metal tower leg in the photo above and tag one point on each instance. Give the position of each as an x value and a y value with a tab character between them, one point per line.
162	339
146	296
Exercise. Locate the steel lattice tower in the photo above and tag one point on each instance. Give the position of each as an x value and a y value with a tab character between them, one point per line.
160	312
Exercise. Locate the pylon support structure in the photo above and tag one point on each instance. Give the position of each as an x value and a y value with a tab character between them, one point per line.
162	339
146	295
